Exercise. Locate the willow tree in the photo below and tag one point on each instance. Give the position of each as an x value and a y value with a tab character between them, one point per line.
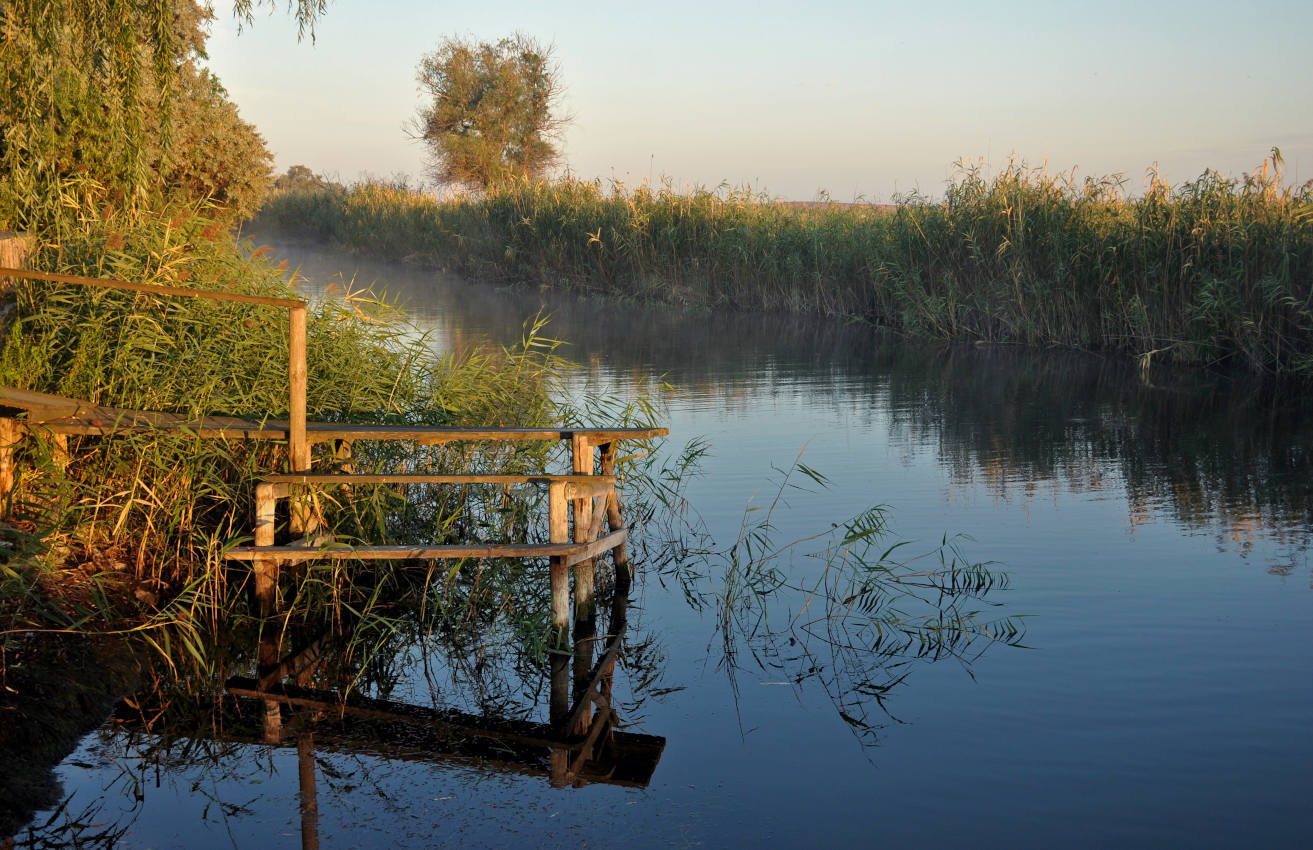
105	98
493	115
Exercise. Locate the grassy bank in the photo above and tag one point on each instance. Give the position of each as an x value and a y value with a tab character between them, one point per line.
1214	270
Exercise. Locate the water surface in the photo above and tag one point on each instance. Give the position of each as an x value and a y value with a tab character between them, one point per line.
1154	529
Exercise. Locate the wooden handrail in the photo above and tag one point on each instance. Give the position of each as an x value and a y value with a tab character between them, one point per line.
158	289
298	445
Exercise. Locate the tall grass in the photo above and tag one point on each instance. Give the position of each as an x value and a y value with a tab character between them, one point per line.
127	533
1213	270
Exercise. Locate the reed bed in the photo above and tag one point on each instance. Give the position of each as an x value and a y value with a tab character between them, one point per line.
126	534
1215	270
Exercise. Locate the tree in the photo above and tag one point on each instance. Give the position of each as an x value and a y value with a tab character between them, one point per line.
299	178
493	111
107	100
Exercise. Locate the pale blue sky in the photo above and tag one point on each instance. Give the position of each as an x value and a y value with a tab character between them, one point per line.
855	98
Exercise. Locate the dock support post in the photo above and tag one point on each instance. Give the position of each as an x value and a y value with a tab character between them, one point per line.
581	455
265	567
559	531
614	520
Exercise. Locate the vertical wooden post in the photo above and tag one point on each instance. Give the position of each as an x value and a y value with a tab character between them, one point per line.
559	532
298	446
581	456
9	436
296	379
614	521
265	567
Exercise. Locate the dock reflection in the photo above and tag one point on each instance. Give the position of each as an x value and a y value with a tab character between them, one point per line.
293	703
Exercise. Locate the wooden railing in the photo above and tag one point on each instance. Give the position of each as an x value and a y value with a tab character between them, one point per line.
298	445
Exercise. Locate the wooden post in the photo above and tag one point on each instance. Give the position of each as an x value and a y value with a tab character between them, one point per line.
581	455
298	446
9	436
559	532
265	567
614	520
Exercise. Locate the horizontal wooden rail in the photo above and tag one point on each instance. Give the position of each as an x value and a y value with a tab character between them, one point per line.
297	374
156	289
569	553
576	486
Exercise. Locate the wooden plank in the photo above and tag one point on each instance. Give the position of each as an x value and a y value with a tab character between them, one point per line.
591	485
600	546
231	427
570	553
404	553
153	289
73	416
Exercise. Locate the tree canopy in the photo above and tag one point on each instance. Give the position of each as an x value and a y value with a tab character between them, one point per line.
107	99
492	115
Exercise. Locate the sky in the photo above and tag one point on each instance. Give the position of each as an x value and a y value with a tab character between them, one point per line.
863	101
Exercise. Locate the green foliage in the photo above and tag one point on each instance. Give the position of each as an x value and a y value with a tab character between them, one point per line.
1214	270
164	507
110	96
492	113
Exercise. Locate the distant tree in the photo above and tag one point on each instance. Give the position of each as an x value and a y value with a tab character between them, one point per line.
493	111
299	178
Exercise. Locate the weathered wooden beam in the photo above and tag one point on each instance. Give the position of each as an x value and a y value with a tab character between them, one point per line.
154	289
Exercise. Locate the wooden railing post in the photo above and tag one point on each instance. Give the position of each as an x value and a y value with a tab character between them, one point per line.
581	455
264	566
559	532
298	446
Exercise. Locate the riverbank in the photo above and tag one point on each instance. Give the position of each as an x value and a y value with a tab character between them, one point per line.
1213	271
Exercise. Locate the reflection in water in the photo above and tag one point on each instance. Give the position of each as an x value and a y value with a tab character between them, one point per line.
301	702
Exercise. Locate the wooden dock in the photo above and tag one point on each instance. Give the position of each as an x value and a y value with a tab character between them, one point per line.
580	502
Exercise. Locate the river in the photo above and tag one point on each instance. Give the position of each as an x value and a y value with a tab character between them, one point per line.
1153	529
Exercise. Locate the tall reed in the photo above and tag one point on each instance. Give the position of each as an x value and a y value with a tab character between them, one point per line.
1213	270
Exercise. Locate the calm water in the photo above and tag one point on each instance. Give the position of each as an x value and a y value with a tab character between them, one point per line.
1155	533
